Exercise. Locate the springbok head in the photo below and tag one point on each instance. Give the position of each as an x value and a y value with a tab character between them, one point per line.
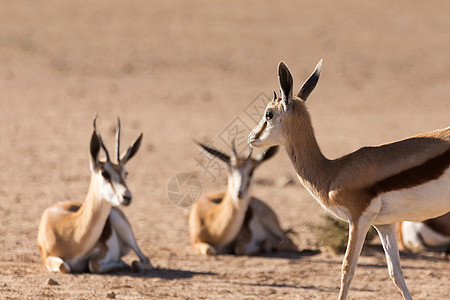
110	176
240	169
282	111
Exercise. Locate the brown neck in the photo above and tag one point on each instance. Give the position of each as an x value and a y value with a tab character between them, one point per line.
92	214
312	167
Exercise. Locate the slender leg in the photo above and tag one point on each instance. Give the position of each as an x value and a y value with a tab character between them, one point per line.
120	225
251	238
357	234
102	264
276	237
106	256
249	248
389	241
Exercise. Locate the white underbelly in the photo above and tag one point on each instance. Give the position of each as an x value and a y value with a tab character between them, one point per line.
418	203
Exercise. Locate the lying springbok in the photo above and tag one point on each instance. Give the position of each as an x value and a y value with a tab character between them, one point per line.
234	221
382	185
95	234
429	235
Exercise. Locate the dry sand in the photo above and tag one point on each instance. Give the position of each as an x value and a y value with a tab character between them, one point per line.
178	70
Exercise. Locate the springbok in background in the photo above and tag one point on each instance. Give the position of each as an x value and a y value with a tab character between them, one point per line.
429	235
95	234
234	221
381	185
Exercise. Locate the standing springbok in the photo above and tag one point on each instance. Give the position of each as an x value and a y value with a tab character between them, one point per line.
234	221
95	234
429	235
404	180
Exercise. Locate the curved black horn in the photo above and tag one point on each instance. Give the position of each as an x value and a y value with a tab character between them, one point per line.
233	148
249	153
118	140
274	95
100	138
223	157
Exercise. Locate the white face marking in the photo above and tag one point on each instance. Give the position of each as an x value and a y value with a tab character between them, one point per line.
240	180
113	188
268	131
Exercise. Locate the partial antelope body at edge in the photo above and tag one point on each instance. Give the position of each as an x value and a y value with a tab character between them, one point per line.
234	221
407	180
93	235
429	235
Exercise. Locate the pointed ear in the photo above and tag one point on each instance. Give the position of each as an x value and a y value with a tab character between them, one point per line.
234	154
95	149
249	153
285	79
267	154
310	83
216	153
132	150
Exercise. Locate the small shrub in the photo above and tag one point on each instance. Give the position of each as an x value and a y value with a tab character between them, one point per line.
333	234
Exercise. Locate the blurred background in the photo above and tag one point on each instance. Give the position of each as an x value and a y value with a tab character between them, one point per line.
177	70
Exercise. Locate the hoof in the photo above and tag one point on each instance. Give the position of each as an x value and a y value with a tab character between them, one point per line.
142	266
209	251
64	268
239	250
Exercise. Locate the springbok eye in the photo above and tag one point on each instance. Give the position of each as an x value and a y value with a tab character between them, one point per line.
106	175
269	115
251	173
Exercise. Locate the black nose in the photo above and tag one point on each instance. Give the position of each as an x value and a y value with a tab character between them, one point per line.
126	200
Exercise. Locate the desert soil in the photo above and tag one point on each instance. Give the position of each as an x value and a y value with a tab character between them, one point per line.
178	70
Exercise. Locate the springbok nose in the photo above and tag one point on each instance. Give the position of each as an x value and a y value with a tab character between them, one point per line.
126	200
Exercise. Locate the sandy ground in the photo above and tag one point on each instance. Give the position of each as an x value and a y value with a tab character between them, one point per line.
179	70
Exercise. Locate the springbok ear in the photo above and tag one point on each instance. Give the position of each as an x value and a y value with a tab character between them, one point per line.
216	153
99	138
285	79
310	83
95	149
249	153
267	154
132	150
234	154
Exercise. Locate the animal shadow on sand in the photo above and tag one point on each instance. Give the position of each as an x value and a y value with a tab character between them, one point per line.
162	273
289	254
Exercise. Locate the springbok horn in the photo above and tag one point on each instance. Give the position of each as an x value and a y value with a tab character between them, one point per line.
249	153
118	140
100	139
233	148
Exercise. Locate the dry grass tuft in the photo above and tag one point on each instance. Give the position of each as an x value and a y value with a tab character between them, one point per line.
333	234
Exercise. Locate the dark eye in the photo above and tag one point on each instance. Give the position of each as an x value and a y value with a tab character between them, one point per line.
251	173
269	115
106	175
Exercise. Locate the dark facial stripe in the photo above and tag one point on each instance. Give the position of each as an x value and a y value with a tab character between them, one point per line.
258	135
429	170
